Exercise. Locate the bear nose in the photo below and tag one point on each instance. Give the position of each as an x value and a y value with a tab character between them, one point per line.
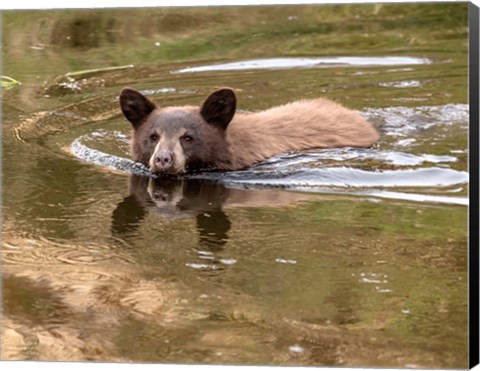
164	159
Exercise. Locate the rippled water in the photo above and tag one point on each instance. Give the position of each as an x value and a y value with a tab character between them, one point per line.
289	63
343	257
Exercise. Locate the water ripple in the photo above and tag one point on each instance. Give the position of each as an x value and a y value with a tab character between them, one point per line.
396	158
103	159
287	63
344	177
278	177
405	121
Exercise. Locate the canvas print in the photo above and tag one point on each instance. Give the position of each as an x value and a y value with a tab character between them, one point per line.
236	185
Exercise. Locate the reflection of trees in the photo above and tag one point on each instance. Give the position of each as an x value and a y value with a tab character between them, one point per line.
84	30
49	194
39	191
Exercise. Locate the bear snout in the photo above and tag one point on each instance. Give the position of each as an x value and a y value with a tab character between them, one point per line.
162	161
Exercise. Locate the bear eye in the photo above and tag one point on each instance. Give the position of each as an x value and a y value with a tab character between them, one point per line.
153	137
187	138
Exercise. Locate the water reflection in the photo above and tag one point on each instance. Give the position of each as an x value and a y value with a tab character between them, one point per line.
175	198
85	30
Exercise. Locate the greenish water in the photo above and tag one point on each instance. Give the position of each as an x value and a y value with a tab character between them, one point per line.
336	257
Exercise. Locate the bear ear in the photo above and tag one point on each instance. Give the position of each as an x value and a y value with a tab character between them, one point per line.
219	108
135	106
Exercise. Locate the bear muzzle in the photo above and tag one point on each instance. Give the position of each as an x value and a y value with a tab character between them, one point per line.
162	162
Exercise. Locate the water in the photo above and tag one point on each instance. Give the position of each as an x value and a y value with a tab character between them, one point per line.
345	257
289	63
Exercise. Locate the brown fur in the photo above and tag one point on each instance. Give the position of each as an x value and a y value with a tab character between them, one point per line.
318	123
221	139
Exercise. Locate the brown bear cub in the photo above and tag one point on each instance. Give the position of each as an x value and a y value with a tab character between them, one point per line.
175	140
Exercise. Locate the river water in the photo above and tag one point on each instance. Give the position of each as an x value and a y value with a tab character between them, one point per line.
345	257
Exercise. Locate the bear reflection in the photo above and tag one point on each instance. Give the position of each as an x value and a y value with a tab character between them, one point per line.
175	198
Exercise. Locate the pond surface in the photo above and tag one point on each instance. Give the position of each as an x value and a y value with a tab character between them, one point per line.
344	257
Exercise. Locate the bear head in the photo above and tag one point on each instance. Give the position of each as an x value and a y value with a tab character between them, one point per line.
175	140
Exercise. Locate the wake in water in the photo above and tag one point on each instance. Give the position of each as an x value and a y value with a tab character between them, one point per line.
318	62
378	172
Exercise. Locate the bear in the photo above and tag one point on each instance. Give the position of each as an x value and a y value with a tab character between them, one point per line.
183	139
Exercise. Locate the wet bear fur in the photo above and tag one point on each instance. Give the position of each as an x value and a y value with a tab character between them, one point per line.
181	139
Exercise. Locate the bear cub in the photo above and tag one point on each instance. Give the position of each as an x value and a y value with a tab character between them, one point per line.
175	140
